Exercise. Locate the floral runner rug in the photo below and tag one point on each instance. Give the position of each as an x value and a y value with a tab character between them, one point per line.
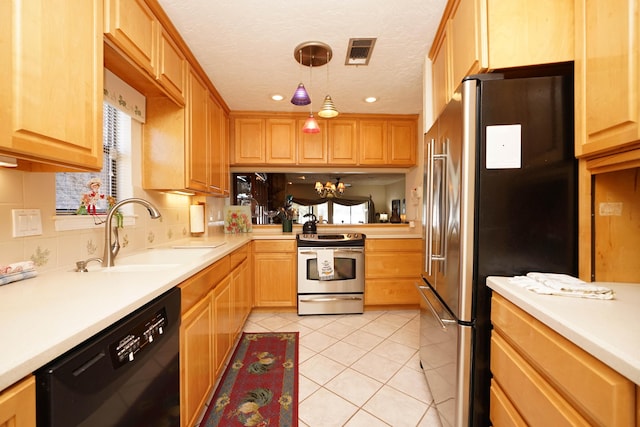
260	385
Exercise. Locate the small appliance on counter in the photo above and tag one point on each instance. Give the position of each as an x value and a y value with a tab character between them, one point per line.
309	227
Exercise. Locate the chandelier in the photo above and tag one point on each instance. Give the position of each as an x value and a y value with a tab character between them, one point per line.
330	190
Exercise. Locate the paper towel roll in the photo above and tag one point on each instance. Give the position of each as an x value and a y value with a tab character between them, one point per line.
196	218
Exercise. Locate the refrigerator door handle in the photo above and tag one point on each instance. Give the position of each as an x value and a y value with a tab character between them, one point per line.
428	211
439	206
442	321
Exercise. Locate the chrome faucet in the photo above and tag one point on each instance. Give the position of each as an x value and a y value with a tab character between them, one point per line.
112	249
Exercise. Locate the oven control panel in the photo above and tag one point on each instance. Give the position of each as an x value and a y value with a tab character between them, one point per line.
333	240
138	338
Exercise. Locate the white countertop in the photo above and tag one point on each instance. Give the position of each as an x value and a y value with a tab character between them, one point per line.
45	316
607	329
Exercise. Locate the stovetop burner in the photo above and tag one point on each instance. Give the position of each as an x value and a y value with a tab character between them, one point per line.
337	239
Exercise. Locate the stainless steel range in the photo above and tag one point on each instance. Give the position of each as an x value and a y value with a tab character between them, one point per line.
330	273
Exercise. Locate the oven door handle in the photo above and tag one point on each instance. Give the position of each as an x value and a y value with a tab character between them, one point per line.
335	251
332	299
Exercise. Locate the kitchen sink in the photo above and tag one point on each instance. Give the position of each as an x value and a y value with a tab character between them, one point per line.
140	268
151	260
175	256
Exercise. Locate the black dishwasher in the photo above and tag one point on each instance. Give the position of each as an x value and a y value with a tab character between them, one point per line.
127	375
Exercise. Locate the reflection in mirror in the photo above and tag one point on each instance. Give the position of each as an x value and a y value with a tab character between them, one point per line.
333	198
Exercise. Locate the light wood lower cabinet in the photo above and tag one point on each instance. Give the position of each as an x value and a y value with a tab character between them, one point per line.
222	323
391	268
18	404
541	378
214	308
274	273
196	359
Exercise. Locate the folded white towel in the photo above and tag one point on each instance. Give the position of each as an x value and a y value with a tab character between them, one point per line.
16	267
561	284
14	277
324	259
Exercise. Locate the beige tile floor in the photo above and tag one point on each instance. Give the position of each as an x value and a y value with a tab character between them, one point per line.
357	370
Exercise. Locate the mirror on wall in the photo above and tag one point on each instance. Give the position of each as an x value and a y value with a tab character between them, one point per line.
339	198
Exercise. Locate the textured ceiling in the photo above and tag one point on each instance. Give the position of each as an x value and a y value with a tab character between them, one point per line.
247	49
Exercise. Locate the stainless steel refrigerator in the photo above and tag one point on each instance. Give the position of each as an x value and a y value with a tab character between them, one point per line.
500	198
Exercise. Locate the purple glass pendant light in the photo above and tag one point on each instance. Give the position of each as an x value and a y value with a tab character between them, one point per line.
300	96
310	54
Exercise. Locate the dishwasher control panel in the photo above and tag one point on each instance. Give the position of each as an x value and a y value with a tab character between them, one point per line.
138	338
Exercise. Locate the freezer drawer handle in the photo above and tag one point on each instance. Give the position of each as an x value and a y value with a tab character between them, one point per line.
332	299
443	322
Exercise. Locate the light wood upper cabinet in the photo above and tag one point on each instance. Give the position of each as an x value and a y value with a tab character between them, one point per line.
312	147
354	140
280	140
217	158
249	141
440	71
48	49
172	67
18	404
197	141
402	142
133	28
373	142
343	141
484	35
607	73
185	148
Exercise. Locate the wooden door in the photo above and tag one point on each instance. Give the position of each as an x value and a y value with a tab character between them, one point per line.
312	147
196	360
249	141
18	404
275	279
440	74
402	142
280	139
607	73
222	323
197	145
343	141
133	27
373	142
172	67
217	152
52	82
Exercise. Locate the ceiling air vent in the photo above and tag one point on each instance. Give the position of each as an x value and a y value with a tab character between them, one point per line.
359	51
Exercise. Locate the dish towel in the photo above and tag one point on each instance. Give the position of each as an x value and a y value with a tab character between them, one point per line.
324	259
561	284
17	271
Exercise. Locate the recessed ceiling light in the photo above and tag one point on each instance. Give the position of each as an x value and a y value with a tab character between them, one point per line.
370	99
277	97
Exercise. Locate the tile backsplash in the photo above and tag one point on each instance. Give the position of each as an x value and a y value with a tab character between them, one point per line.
61	249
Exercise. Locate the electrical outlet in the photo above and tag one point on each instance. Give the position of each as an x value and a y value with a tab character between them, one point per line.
26	222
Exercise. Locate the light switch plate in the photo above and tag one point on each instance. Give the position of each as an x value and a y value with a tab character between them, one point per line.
26	222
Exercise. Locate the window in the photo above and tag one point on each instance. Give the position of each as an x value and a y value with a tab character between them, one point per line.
71	186
334	212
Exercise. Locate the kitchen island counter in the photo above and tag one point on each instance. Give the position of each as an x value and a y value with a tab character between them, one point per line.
607	329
